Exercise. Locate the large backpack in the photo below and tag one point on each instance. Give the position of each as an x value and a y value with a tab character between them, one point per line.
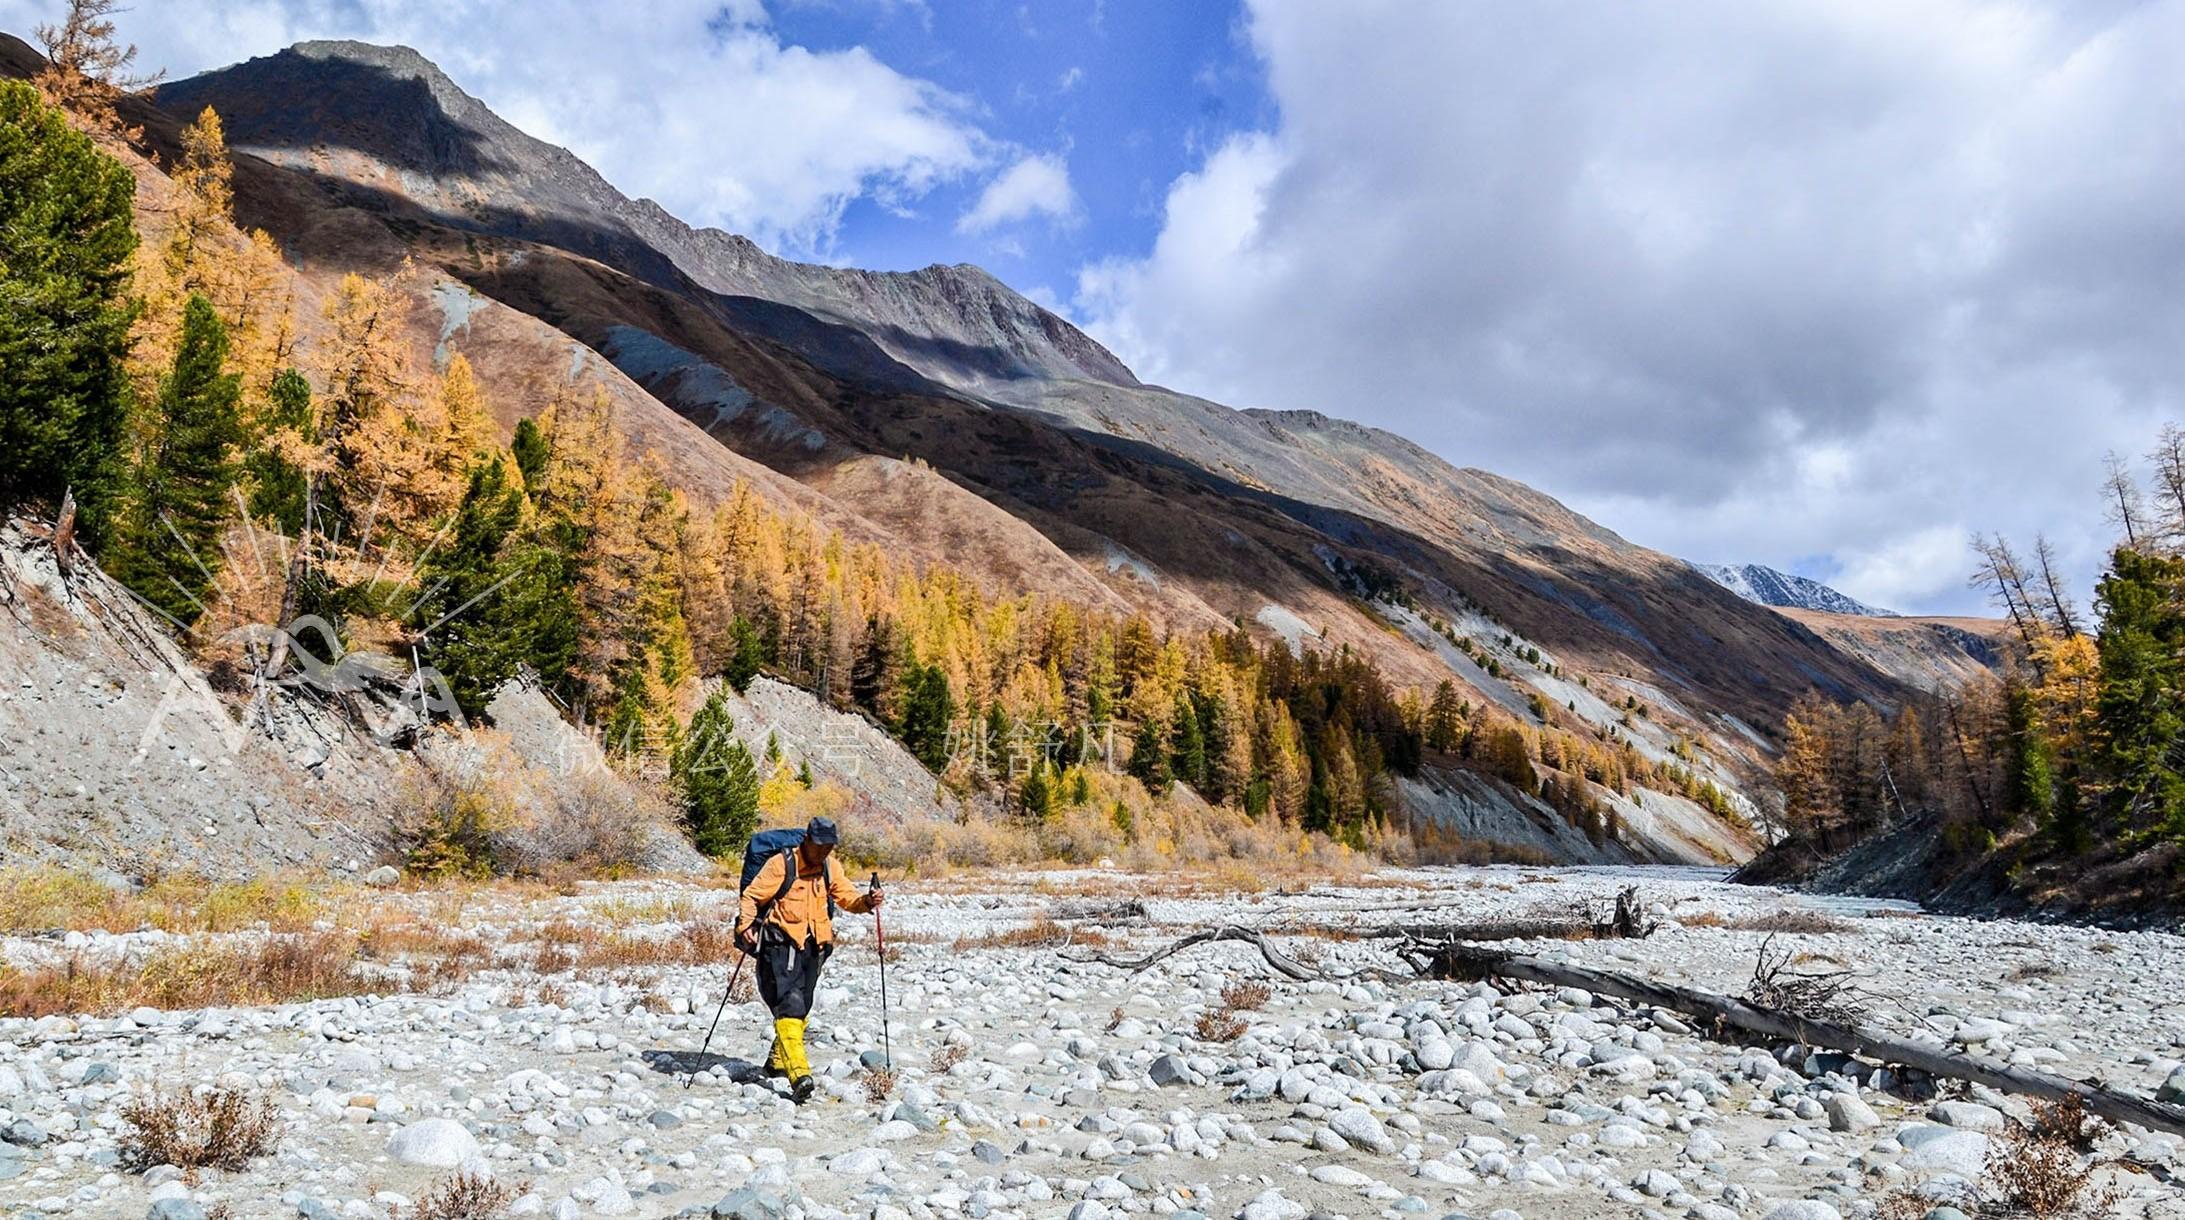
764	846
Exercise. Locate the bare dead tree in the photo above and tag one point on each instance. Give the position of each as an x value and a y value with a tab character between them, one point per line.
64	534
2127	508
2055	601
2003	578
2168	457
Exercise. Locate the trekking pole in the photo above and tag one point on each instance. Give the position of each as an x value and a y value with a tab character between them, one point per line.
733	975
880	943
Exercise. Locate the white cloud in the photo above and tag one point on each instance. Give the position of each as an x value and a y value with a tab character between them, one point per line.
1034	186
696	103
1884	272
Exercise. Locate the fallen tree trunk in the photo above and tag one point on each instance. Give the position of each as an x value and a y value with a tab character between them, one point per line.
1283	963
1453	960
1450	960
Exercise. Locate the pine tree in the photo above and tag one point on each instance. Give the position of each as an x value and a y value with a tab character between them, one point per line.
272	464
2030	782
747	656
475	636
168	550
1187	744
1149	756
1036	795
2142	607
469	430
1444	720
876	679
928	708
372	450
66	237
531	451
718	781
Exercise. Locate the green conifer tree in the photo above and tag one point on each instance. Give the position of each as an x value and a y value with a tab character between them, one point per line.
168	548
1036	794
1187	744
746	654
928	707
2142	603
278	487
531	451
66	236
1149	755
718	781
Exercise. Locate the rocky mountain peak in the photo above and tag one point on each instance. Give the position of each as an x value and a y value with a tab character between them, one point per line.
1765	585
408	131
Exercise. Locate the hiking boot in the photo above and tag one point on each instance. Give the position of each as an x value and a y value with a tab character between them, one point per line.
801	1089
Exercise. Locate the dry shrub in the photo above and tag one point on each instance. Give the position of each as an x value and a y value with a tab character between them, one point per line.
947	1057
47	899
273	970
467	1196
879	1082
594	822
1245	995
563	946
1812	923
449	818
1041	933
1220	1025
2037	1170
217	1128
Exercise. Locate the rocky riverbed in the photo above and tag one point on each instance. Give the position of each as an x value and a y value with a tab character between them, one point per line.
1034	1085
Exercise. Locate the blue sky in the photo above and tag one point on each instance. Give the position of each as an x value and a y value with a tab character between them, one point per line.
1128	93
1829	285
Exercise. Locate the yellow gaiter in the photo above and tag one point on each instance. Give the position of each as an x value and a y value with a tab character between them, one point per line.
788	1053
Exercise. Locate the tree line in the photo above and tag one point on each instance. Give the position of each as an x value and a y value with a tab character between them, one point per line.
2077	746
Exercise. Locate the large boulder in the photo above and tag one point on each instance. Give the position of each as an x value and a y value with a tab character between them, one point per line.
438	1143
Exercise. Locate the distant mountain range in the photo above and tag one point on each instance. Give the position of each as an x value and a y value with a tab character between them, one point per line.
1769	587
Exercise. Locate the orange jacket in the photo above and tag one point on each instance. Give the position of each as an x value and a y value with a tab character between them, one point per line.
802	911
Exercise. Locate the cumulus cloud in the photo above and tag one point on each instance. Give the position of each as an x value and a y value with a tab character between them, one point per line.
696	103
1034	186
1745	282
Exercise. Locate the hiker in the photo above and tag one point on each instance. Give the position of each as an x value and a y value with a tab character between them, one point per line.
784	921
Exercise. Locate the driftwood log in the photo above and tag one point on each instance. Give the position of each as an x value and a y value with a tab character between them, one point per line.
1450	960
1453	960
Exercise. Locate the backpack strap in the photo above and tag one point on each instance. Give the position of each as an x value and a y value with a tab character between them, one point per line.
788	878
